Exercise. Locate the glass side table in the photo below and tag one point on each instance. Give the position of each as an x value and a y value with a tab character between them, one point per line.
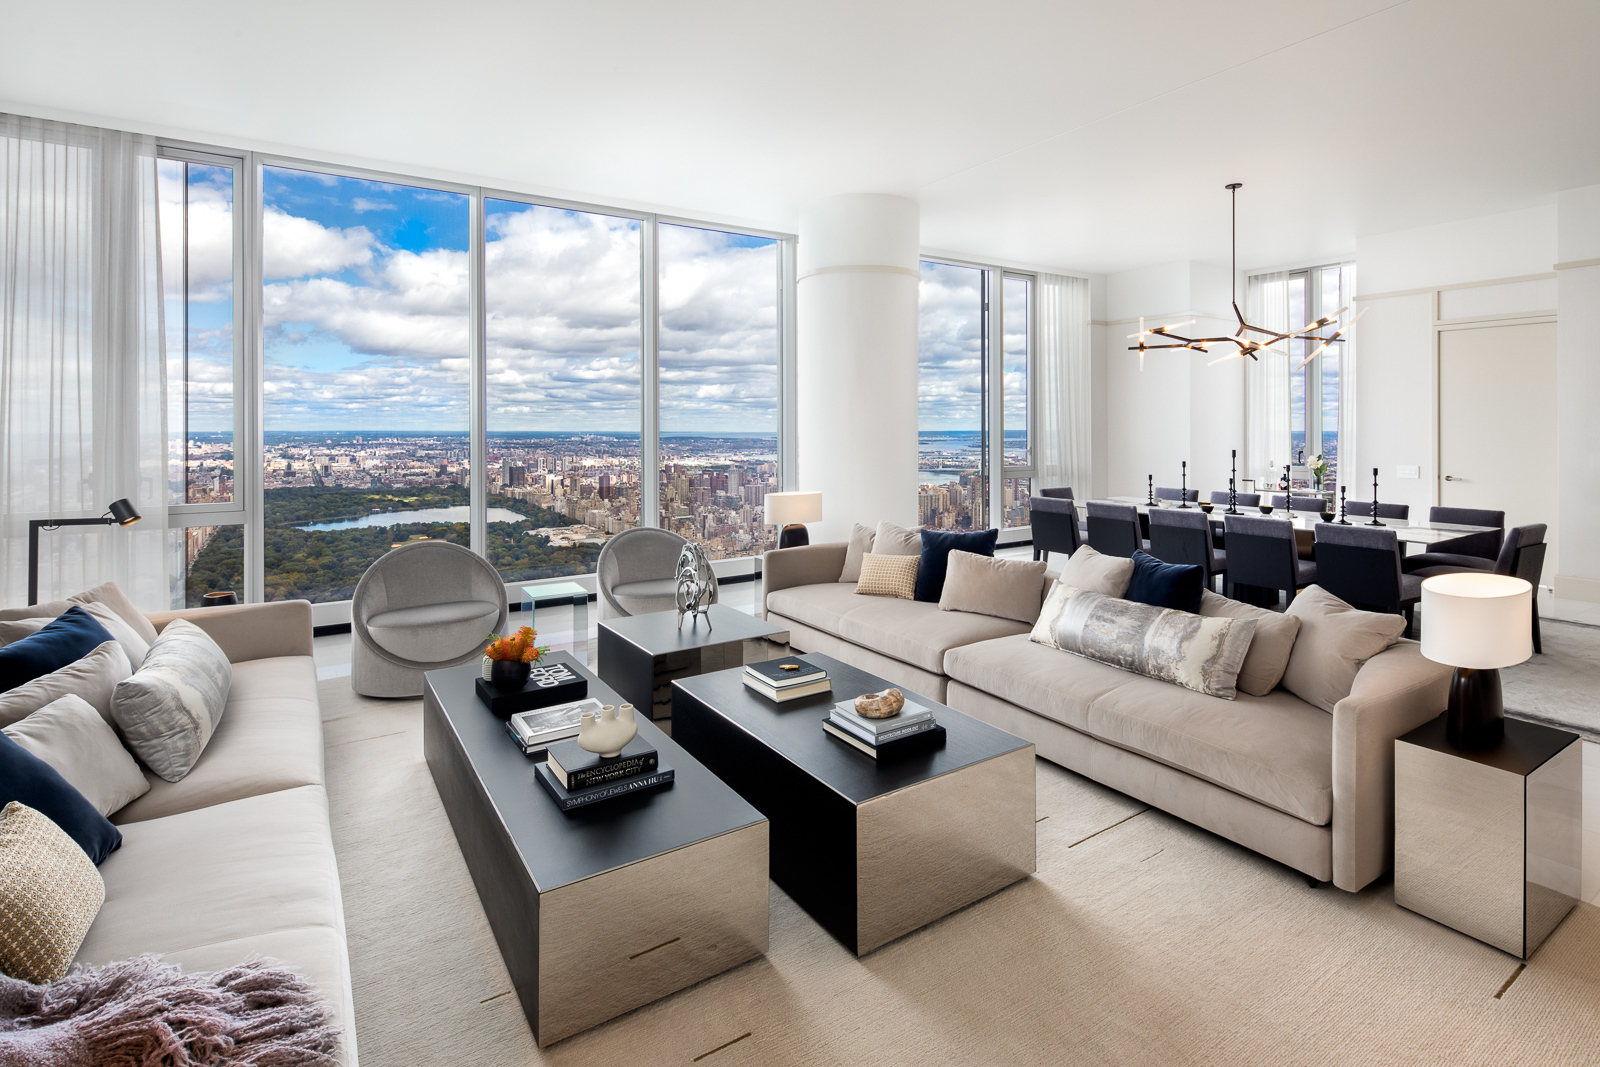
549	594
1490	843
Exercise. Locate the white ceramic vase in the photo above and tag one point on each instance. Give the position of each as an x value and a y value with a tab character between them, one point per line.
607	734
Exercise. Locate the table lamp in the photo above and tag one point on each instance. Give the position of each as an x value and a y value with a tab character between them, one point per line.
120	513
1476	623
792	511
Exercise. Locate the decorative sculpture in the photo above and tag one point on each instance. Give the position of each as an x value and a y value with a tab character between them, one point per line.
884	705
607	735
695	584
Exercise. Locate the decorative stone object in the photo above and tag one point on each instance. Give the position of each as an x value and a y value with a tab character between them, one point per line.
884	705
695	584
607	735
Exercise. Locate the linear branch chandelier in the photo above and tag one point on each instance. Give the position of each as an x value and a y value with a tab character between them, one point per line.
1243	346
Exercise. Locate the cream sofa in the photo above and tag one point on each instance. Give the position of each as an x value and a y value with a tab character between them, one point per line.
1278	775
236	860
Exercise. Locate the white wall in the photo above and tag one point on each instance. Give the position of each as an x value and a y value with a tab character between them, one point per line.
1578	401
1511	245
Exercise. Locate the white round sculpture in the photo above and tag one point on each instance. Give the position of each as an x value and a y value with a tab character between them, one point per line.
607	734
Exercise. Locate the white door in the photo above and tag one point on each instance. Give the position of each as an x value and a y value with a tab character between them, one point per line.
1497	424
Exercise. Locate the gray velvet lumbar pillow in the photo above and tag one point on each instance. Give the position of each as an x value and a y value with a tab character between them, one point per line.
168	711
1270	647
1161	643
80	746
895	540
1097	572
983	585
94	678
1335	641
861	538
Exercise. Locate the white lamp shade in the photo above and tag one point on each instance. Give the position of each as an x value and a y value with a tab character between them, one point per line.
1477	620
785	508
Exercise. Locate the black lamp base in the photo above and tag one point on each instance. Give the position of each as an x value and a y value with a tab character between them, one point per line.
794	535
1475	718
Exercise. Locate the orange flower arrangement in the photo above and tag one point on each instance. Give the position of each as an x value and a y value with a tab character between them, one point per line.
518	647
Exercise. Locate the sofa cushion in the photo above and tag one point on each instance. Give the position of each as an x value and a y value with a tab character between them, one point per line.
890	576
936	548
94	678
49	894
1165	585
1275	749
111	595
434	615
269	739
1335	640
62	641
1097	572
29	780
1269	648
82	747
918	633
1004	588
892	539
861	538
169	709
823	606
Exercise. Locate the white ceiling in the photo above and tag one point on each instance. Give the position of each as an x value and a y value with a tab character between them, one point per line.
1094	136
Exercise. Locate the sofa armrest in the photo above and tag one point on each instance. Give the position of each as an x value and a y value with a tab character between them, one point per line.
1395	692
785	568
251	631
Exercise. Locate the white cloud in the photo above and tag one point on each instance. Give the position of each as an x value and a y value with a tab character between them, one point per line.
362	205
293	247
950	348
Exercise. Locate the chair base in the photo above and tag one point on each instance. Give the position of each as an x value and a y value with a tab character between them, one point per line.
373	676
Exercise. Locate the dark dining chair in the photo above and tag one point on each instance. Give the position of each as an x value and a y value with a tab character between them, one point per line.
1461	551
1521	556
1055	525
1262	555
1299	503
1363	509
1169	493
1114	529
1061	492
1219	497
1185	537
1361	566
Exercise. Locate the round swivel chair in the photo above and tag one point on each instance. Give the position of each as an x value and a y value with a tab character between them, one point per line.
637	572
421	607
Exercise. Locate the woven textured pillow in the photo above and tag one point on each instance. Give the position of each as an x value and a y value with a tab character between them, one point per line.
894	576
49	895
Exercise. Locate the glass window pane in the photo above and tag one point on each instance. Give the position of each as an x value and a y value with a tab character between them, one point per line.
1329	361
205	559
562	304
196	219
950	346
1297	378
1014	495
719	387
366	364
1015	387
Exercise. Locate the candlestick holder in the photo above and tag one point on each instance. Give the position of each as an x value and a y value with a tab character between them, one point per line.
1375	521
1183	486
1233	475
1342	520
1150	490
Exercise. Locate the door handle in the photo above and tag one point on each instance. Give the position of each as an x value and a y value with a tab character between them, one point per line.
1453	478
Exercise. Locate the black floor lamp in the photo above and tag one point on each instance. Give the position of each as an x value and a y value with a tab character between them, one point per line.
121	513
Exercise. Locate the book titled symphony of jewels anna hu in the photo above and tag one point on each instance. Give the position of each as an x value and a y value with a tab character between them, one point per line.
788	678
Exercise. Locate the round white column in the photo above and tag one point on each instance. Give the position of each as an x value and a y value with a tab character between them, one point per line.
857	274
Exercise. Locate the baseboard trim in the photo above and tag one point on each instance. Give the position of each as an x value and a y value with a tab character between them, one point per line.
1570	587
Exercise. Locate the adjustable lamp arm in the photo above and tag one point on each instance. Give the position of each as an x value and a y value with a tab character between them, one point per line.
120	513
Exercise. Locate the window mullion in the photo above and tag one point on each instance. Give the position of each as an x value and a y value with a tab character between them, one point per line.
477	384
649	367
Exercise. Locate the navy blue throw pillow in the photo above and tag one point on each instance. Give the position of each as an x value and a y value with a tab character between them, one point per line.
936	548
1166	585
29	780
71	636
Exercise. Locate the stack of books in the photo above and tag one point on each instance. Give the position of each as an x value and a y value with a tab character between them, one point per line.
788	678
535	731
575	777
914	728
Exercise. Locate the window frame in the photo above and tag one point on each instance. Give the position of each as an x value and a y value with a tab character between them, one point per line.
1312	372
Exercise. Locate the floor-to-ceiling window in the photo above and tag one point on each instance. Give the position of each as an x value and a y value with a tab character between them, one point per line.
365	369
562	342
1016	396
718	387
1314	382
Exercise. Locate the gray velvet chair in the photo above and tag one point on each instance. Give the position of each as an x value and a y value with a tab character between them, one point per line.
1363	509
1219	497
1114	529
1298	503
1060	492
1054	522
1262	554
1521	556
1361	566
637	573
1186	537
422	607
1179	494
1462	551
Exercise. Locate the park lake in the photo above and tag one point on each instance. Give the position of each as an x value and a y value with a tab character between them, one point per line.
460	513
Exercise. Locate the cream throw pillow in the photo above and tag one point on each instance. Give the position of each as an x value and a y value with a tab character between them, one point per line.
894	576
170	708
1097	572
861	538
50	893
893	540
983	585
94	678
1335	641
82	747
1269	648
112	596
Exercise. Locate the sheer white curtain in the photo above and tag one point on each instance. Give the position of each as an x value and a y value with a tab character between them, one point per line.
1266	382
1349	458
82	359
1063	384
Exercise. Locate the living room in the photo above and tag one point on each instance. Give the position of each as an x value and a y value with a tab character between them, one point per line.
1075	529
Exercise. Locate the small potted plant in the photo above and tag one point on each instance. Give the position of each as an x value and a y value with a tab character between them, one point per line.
1319	471
508	660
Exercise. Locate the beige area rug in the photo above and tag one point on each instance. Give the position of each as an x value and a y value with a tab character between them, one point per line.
1561	686
1141	940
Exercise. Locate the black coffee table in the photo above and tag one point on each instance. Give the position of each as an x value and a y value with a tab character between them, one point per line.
641	655
872	851
602	909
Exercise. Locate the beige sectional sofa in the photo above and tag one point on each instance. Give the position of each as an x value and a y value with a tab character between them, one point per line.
1278	775
236	859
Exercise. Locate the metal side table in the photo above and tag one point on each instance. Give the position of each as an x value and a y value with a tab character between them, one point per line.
1490	843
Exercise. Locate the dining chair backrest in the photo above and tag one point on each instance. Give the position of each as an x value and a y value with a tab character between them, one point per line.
1363	509
1485	544
1182	537
1062	492
1246	500
1519	540
1261	552
1114	528
1169	493
1055	524
1299	503
1360	565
